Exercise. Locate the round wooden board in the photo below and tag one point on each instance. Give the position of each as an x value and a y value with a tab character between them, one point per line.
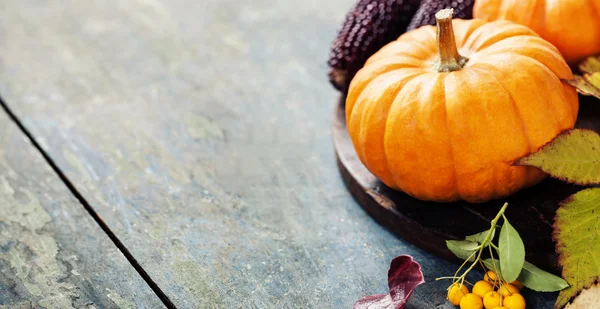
428	224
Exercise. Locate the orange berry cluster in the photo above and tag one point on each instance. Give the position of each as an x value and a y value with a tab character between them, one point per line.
491	293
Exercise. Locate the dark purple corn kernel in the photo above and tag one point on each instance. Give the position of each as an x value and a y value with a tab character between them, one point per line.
426	14
370	25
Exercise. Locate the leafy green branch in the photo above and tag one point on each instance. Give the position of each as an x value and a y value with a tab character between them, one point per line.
510	265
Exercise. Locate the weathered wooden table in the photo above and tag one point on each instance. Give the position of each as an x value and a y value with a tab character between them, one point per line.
176	153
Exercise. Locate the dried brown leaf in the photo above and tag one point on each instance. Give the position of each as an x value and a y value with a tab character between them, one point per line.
587	299
589	82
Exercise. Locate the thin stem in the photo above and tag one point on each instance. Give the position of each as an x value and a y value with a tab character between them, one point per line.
445	278
493	261
495	267
464	263
483	265
500	213
488	236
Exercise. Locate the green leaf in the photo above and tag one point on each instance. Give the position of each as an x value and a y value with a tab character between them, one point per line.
577	235
462	248
480	237
539	280
512	252
573	156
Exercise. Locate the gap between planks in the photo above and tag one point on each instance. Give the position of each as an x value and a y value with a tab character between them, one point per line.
161	295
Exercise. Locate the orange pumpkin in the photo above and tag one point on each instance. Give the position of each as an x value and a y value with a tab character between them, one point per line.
444	124
573	26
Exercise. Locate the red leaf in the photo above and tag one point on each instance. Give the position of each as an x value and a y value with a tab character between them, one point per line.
403	277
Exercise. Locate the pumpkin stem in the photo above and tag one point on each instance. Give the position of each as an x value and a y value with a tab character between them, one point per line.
450	60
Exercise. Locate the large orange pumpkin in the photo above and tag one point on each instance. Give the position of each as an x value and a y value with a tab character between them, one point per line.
573	26
443	127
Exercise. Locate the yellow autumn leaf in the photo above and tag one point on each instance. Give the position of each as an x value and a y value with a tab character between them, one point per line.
577	235
572	156
590	65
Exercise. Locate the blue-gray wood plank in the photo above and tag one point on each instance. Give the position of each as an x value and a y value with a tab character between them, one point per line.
200	132
52	254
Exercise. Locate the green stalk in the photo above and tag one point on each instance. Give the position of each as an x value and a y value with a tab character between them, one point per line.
487	242
495	267
488	237
465	263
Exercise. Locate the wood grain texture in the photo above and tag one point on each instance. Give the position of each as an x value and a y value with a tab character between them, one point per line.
200	132
52	254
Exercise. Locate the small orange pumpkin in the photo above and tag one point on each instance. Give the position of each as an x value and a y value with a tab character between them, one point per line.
444	124
573	26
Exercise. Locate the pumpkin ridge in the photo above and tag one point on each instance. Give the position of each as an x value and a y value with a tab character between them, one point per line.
364	77
564	95
536	15
360	151
544	11
454	177
522	123
550	33
462	37
351	110
499	47
487	35
542	65
395	63
593	15
535	45
399	80
424	47
518	113
402	47
362	121
532	11
518	36
574	109
557	78
408	85
406	80
572	113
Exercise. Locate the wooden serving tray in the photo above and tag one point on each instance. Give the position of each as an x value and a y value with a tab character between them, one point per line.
428	224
